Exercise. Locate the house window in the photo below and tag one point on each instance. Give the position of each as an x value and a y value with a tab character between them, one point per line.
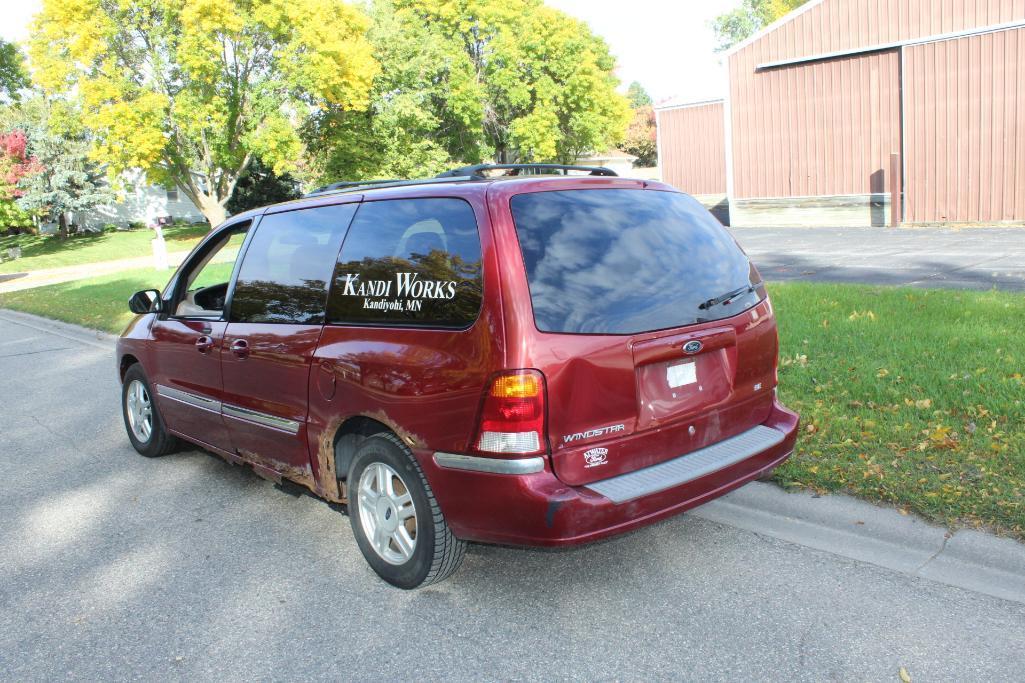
172	193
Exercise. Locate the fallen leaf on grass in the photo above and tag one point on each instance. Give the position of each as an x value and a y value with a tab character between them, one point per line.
862	314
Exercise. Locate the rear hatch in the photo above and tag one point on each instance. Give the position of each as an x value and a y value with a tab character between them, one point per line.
653	329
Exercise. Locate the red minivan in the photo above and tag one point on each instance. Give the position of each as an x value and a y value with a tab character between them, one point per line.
538	360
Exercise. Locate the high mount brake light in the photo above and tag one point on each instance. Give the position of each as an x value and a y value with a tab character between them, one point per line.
513	415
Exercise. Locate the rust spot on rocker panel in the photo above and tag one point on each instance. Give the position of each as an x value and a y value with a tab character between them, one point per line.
274	470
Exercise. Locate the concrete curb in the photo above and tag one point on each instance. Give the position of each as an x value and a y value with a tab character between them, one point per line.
852	528
77	333
836	524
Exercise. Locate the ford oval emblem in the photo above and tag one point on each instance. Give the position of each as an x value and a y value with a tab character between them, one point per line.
692	347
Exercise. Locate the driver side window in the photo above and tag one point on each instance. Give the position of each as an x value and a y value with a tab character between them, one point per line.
205	285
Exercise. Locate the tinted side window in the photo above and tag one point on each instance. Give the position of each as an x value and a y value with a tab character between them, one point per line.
409	262
285	271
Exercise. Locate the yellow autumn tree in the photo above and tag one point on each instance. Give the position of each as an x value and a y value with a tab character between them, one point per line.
191	91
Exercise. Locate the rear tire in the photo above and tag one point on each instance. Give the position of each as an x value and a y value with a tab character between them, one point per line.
395	518
143	422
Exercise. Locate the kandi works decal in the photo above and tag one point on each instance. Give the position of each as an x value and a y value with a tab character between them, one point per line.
406	292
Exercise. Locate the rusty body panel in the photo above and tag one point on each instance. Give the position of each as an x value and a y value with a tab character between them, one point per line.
692	148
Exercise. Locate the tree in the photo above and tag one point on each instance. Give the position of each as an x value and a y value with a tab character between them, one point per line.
642	137
191	92
425	110
752	16
63	178
15	164
12	71
638	96
466	80
260	186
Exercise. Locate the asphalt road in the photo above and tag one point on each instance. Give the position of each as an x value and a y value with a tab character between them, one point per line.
114	567
971	258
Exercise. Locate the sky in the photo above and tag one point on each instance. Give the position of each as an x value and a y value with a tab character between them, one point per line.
666	45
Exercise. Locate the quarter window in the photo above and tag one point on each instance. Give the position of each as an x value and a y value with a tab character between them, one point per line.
286	268
413	262
204	283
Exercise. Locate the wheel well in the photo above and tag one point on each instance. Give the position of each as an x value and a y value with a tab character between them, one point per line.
348	438
127	361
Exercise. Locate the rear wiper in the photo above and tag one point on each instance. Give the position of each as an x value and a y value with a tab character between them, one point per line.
728	297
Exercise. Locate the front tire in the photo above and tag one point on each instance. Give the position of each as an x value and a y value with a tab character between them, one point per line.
143	422
395	518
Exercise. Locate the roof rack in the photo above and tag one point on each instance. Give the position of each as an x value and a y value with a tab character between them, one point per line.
346	184
476	172
462	174
360	184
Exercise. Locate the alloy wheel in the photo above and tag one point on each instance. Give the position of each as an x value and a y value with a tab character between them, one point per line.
140	411
387	513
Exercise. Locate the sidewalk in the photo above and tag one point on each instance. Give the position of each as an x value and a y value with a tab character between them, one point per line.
14	282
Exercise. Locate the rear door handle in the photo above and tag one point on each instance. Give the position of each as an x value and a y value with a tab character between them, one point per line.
204	344
240	347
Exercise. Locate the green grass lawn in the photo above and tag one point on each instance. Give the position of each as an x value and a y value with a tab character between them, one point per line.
100	302
48	251
907	396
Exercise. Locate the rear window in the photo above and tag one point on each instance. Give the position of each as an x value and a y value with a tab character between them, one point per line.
628	261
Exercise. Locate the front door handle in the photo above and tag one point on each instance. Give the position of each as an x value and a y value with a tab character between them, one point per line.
240	347
204	344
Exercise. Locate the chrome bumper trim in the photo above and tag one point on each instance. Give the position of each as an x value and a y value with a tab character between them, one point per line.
194	400
453	461
263	419
688	467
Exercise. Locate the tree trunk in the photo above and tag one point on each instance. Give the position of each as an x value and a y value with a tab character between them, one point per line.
62	222
212	210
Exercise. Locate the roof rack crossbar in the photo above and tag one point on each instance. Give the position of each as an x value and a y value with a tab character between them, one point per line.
352	185
477	170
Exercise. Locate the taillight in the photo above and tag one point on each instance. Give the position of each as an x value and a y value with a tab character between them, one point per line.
513	415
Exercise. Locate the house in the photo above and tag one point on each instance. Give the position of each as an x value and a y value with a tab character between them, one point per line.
140	202
849	113
614	159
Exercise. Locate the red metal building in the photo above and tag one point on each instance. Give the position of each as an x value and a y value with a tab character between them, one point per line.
844	104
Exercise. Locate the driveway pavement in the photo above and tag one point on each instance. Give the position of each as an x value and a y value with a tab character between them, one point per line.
971	258
113	566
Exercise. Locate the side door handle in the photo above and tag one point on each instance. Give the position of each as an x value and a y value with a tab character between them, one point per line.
204	344
240	347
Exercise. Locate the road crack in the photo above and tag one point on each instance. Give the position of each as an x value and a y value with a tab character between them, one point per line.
946	538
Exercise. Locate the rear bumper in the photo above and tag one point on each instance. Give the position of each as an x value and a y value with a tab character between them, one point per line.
537	509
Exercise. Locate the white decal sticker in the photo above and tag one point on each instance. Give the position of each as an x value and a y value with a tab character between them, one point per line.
681	374
410	291
592	433
596	456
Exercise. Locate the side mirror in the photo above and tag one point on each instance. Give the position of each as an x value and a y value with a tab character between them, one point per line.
146	301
